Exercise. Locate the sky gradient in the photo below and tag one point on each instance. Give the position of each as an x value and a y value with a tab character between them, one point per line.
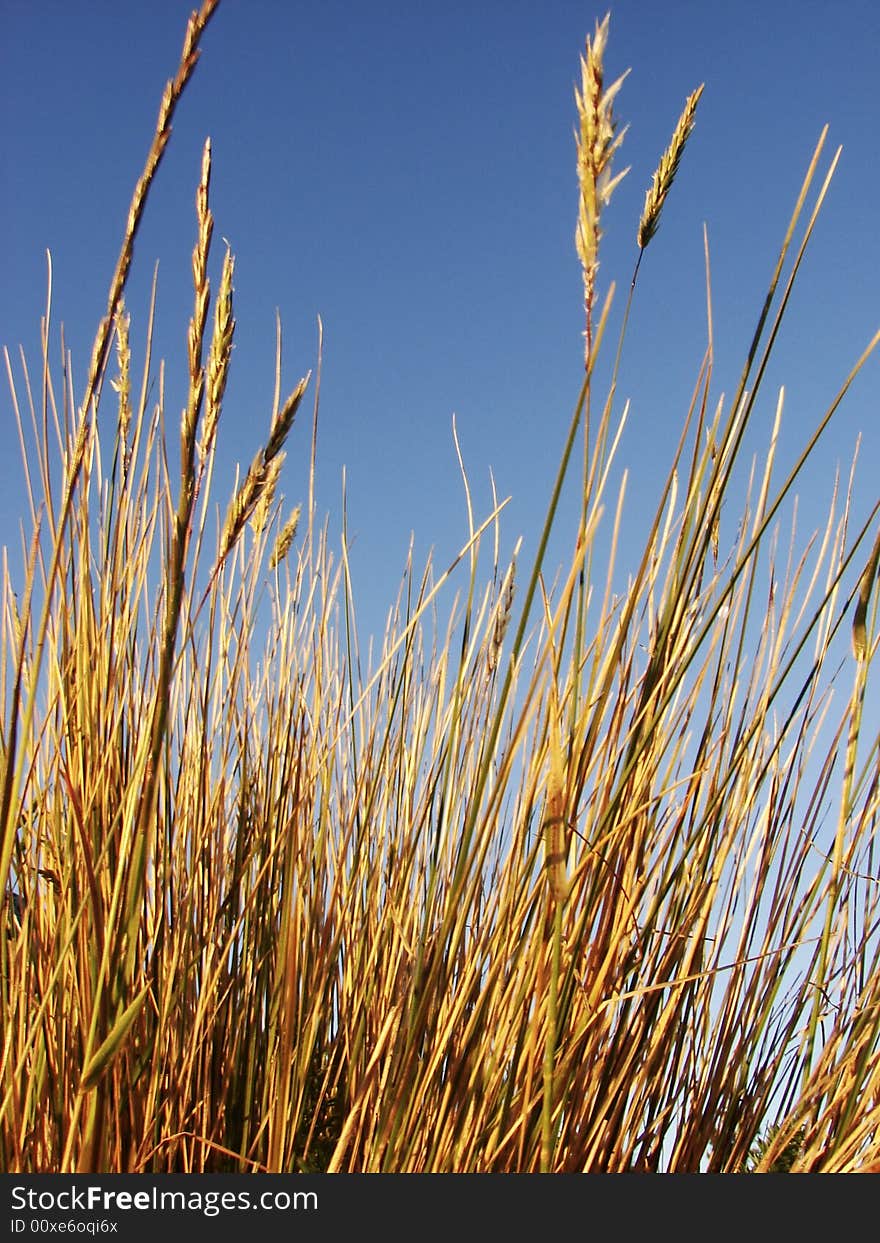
407	173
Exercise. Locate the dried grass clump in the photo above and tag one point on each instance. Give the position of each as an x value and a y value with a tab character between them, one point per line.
566	881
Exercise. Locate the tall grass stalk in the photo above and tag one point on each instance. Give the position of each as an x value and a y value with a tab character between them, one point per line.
549	880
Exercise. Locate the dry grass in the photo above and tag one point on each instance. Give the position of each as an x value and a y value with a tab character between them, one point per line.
550	887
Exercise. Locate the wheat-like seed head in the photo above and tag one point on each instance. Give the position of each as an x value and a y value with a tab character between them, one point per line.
205	221
597	142
219	356
283	421
196	334
122	383
266	496
242	505
502	618
171	96
655	197
262	477
285	538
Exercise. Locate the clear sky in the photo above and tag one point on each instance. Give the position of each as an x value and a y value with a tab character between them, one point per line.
407	172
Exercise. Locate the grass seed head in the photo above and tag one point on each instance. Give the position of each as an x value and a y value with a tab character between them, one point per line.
219	356
597	142
122	383
664	176
286	537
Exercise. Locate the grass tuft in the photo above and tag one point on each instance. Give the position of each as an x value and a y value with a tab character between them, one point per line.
551	878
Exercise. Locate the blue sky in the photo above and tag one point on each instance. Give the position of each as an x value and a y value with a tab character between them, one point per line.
407	172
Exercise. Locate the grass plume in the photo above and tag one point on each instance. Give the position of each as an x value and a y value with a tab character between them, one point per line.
664	174
597	142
